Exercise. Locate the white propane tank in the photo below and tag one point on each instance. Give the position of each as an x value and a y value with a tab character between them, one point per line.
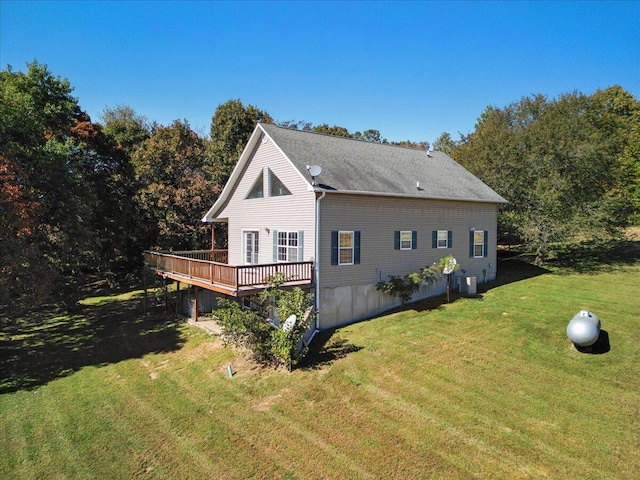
584	328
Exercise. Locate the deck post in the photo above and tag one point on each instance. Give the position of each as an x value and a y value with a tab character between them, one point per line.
166	293
195	304
144	284
178	297
213	237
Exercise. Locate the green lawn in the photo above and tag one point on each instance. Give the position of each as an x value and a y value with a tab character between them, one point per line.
486	387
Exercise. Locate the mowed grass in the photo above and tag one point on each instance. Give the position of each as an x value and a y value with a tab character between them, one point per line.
486	387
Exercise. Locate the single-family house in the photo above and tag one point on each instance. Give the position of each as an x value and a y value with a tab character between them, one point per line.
337	216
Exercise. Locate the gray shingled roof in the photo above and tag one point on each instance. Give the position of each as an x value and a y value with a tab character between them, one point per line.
351	166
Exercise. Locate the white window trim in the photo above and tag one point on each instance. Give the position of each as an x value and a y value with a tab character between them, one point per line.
270	175
352	247
446	239
475	244
255	184
410	247
287	246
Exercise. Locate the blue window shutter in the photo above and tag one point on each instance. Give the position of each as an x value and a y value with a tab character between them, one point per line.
434	239
449	239
471	243
414	240
300	245
334	247
275	245
396	240
486	243
356	247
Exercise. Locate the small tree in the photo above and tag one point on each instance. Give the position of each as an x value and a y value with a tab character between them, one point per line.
250	329
286	340
244	329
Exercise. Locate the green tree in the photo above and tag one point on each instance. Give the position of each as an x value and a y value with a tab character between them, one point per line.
444	143
65	203
231	126
423	145
37	113
335	130
126	127
114	216
630	170
173	191
559	163
370	135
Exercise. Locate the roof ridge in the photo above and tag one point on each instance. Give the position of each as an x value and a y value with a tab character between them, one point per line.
346	138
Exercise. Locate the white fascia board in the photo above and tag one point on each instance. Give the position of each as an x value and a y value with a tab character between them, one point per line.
404	195
235	174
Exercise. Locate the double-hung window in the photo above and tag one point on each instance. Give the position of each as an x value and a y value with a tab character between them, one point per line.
478	243
405	240
441	239
345	247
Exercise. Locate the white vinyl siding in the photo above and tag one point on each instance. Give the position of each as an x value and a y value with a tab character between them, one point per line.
294	213
379	218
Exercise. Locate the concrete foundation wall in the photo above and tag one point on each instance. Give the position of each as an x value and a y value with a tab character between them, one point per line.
207	301
347	304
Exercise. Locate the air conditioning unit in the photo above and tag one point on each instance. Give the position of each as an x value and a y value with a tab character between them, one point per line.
469	286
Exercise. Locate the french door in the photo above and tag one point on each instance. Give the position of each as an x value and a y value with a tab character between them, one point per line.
251	247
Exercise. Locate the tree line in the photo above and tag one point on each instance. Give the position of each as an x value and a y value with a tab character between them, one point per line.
569	167
81	199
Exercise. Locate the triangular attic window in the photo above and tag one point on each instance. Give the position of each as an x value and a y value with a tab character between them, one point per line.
257	191
276	187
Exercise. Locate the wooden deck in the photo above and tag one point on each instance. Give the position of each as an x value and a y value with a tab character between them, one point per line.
208	269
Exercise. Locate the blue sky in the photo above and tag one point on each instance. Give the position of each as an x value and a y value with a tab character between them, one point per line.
408	69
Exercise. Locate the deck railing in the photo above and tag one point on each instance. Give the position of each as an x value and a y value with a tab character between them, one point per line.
217	255
198	266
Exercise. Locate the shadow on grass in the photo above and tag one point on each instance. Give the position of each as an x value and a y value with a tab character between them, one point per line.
510	270
49	344
596	257
601	346
325	349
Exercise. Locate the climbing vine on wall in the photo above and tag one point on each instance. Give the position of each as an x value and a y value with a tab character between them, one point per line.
405	287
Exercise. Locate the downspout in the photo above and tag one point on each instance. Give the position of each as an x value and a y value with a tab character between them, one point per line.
316	297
